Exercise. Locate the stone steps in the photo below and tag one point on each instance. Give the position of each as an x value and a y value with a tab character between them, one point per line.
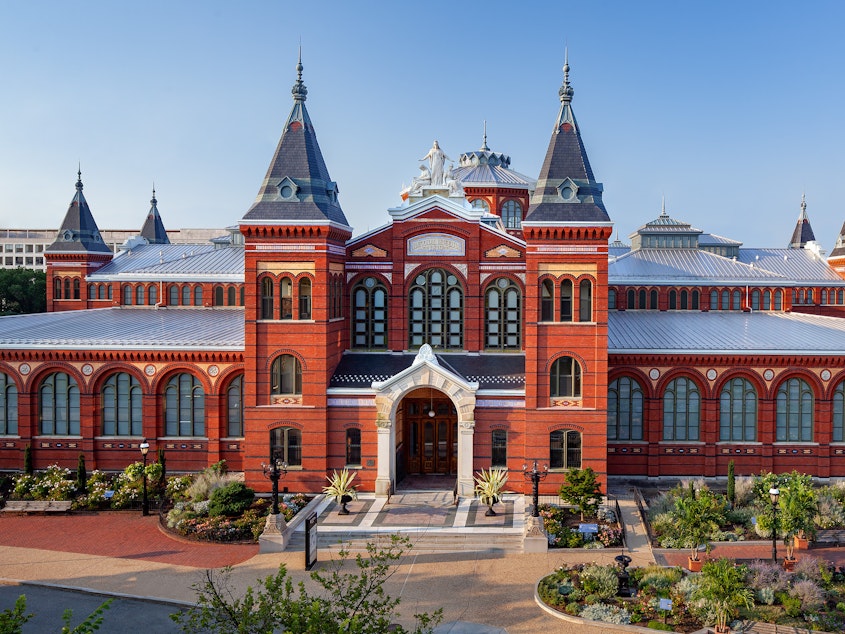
422	541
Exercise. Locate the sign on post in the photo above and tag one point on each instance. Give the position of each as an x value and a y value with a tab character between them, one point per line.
310	541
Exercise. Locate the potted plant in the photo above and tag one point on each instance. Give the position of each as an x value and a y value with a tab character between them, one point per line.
722	584
340	488
489	485
796	509
697	514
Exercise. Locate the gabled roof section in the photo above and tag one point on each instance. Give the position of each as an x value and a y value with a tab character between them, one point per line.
566	190
79	232
297	187
803	231
153	230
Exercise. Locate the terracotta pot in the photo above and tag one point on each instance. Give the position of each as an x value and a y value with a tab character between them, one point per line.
694	565
801	543
789	564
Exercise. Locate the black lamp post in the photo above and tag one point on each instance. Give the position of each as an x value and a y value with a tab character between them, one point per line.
535	475
275	470
774	494
145	504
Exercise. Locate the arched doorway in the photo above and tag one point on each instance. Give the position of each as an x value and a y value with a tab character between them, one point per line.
429	438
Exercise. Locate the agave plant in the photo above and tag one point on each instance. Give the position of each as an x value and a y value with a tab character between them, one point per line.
340	488
489	485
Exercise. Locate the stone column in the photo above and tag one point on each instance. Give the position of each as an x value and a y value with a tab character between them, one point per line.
466	482
385	457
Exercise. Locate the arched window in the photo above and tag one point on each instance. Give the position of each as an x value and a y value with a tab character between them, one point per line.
794	411
369	314
547	307
810	299
512	214
566	300
840	297
122	407
681	409
499	451
684	300
738	411
624	409
632	299
714	300
286	297
101	291
231	300
695	296
58	405
173	295
266	298
152	295
353	447
641	296
235	407
653	299
839	413
305	298
76	288
218	295
565	449
436	310
611	299
127	295
198	295
503	310
109	290
480	203
565	378
184	406
139	295
186	295
778	300
737	301
8	406
767	300
67	288
755	300
585	301
673	299
726	300
824	296
57	288
286	445
286	375
92	291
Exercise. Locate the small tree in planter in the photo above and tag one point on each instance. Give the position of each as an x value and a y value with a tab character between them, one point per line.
797	508
723	585
583	490
697	515
731	491
27	460
340	488
81	475
489	486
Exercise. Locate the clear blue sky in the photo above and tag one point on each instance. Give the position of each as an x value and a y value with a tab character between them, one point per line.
729	109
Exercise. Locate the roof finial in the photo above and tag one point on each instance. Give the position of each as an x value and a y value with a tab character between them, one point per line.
299	91
484	147
663	205
566	91
79	176
803	205
154	201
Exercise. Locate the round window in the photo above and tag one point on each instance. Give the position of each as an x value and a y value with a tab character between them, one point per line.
286	191
566	192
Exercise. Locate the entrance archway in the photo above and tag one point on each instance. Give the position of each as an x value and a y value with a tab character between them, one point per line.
428	438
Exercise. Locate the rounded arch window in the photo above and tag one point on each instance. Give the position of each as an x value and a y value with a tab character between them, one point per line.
480	203
512	214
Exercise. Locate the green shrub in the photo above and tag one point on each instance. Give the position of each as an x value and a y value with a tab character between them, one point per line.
791	605
207	481
231	500
599	580
660	625
606	614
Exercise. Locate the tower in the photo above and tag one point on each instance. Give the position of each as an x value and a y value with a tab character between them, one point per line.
566	231
294	237
153	230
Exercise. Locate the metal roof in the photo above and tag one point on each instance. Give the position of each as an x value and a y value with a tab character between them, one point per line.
126	329
685	266
729	332
179	261
492	175
712	239
801	265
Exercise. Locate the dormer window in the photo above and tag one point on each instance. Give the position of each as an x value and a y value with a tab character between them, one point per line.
331	191
480	203
568	191
67	236
287	189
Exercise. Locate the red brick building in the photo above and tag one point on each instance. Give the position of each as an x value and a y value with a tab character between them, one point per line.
488	323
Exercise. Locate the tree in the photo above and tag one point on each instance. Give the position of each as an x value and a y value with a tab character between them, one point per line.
13	619
27	460
81	474
22	291
797	509
731	492
723	585
696	516
583	490
348	603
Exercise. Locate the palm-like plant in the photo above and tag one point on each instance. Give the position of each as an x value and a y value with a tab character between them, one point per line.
489	485
340	488
723	584
697	515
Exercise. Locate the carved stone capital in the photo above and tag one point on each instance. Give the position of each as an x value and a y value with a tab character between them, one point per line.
383	423
467	424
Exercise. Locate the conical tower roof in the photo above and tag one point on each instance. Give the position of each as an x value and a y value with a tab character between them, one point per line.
566	190
79	232
153	230
803	231
839	249
297	187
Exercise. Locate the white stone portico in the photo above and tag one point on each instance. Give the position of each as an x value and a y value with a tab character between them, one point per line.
425	371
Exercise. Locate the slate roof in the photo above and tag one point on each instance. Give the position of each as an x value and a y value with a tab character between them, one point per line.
79	232
298	164
491	371
188	262
839	248
153	230
803	232
566	158
211	329
728	332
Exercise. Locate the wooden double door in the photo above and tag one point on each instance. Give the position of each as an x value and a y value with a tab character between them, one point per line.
431	433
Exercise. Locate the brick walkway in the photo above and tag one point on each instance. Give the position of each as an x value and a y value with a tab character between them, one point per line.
120	534
749	551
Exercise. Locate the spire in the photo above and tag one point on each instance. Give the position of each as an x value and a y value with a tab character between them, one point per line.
153	230
297	187
484	147
663	206
566	189
79	232
803	232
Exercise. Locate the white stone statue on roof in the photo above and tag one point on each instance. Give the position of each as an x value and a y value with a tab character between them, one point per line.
423	180
454	185
436	158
